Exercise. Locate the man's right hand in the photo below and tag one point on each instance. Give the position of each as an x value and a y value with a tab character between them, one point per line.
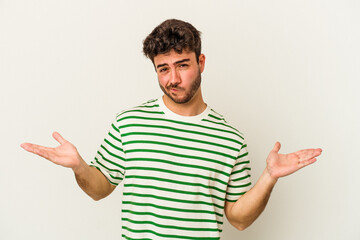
90	179
65	155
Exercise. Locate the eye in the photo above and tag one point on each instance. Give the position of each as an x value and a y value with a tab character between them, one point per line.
184	65
163	69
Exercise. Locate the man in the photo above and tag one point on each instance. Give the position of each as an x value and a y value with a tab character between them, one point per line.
182	164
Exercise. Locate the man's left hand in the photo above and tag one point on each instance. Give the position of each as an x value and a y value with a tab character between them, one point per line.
280	165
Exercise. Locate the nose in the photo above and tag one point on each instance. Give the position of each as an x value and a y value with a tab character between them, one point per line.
175	77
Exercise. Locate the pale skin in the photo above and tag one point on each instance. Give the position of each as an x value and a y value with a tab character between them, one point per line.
176	75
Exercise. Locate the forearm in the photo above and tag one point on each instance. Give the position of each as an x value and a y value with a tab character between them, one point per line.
92	181
246	209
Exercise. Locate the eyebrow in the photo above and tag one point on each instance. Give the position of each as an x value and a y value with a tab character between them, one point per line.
178	62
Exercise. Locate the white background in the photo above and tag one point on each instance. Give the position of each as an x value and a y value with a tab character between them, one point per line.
279	70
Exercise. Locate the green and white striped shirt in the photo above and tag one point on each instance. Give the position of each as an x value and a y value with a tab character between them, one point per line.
177	171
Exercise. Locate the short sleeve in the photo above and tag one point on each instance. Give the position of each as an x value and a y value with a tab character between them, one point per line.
240	181
110	158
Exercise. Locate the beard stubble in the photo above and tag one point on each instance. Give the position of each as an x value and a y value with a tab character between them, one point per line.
188	96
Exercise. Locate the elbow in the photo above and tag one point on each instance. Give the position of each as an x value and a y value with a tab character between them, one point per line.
96	197
241	227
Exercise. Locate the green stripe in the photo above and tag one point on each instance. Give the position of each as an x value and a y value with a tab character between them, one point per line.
181	130
240	186
107	178
175	181
173	190
172	199
170	217
148	106
173	121
168	235
241	170
128	238
216	113
150	101
172	209
241	178
180	146
175	172
115	138
169	226
115	128
114	146
179	164
108	169
239	134
240	163
111	162
142	111
181	156
235	194
111	154
180	138
242	155
217	118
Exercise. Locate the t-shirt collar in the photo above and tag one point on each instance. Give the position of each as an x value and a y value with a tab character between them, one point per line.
170	114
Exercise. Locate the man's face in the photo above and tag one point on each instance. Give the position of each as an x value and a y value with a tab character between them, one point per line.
179	75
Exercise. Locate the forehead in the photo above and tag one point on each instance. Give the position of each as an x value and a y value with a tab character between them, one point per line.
172	57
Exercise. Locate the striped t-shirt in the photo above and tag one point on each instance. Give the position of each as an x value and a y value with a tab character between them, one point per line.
177	171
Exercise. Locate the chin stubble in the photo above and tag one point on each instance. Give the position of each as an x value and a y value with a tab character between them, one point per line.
193	89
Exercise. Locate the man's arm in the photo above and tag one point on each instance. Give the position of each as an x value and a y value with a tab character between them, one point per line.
93	182
246	209
90	179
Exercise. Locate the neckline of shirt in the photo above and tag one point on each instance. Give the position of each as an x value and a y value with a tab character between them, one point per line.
170	114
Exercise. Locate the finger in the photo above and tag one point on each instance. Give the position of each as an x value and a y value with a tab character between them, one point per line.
58	138
309	153
32	147
276	147
307	162
37	149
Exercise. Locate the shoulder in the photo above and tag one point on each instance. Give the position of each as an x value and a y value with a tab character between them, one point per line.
217	120
148	107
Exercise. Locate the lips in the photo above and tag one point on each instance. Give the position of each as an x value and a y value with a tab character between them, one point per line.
174	89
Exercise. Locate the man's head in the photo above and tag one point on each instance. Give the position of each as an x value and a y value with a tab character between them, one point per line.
174	35
174	47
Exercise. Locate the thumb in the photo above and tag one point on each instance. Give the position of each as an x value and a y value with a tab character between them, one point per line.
276	147
58	138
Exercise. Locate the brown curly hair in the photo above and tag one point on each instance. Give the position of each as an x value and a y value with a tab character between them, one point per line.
172	34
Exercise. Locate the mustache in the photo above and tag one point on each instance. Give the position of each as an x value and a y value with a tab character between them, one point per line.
173	86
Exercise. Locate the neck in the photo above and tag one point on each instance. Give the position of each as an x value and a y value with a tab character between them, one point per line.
192	108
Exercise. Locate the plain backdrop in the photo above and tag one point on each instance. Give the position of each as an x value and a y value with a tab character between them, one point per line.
279	70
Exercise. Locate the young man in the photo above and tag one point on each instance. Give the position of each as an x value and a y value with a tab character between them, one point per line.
183	166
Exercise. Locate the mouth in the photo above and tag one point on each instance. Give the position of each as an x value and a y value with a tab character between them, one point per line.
174	89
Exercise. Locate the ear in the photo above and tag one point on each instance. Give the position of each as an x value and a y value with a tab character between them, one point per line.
202	62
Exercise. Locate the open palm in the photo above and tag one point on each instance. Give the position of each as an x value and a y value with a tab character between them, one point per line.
65	155
280	165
